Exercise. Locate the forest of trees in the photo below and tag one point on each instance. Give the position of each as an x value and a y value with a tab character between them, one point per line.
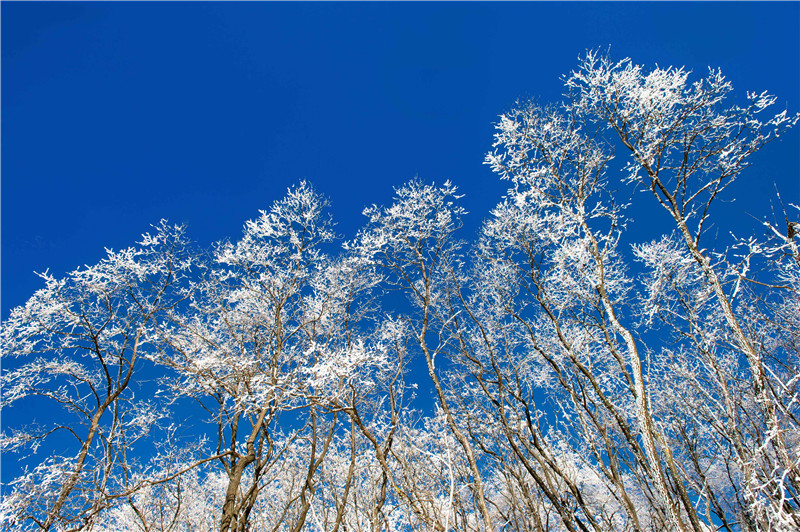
556	372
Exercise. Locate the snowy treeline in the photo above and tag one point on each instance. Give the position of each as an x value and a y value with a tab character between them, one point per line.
582	381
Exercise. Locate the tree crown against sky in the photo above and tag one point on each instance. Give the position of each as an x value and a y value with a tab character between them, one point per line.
118	115
584	375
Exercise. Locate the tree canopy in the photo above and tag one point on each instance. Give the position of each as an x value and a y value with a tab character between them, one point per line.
583	376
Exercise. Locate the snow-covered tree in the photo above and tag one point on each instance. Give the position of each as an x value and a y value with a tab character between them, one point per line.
73	353
665	386
266	347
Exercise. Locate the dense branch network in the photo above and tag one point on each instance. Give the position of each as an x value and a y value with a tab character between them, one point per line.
576	374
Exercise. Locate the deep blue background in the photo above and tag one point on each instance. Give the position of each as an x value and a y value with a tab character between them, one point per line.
115	115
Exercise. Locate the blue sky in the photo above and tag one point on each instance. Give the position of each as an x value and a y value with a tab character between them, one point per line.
115	115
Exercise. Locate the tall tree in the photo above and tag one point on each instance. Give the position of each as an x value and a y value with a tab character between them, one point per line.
73	352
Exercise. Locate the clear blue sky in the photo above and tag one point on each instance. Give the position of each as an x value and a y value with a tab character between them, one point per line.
115	115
